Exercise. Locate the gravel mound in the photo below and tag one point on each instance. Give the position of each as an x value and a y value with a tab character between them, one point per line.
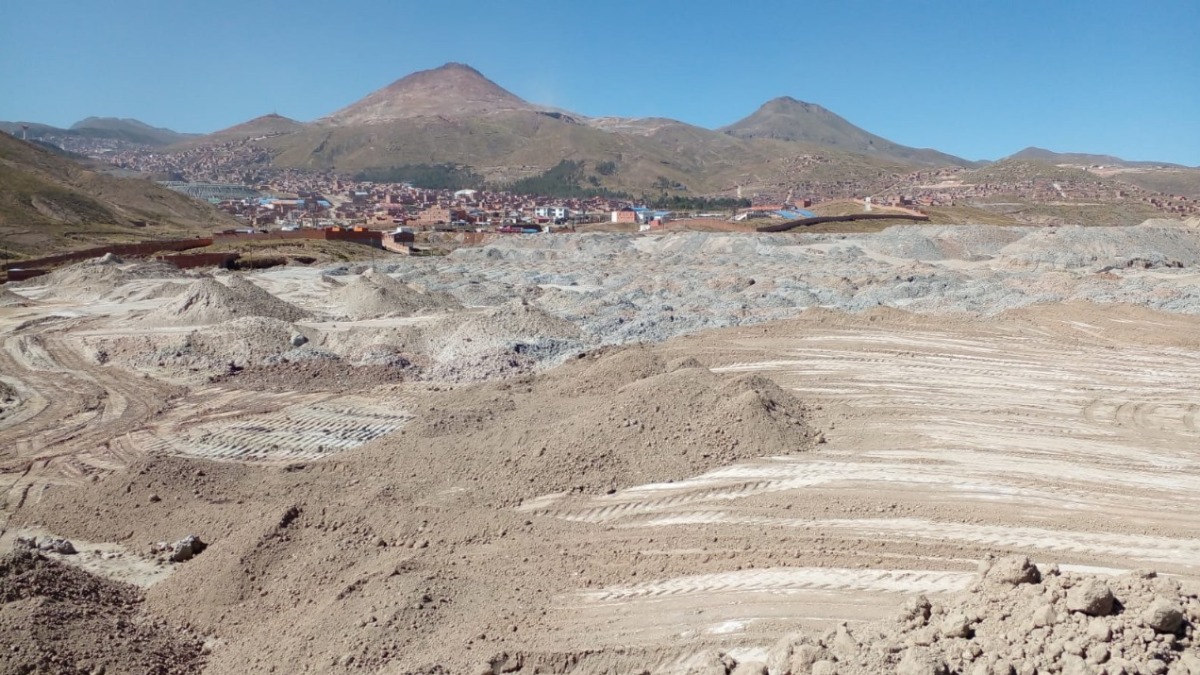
208	301
375	294
498	341
953	242
1080	247
55	618
1017	620
203	352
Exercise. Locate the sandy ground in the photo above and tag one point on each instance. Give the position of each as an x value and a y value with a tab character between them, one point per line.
798	468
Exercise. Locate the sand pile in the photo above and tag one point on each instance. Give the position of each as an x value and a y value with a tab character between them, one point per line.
170	289
1017	620
56	618
208	301
498	341
87	281
10	299
374	294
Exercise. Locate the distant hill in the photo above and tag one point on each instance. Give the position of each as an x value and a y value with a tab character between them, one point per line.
259	127
130	130
454	89
50	203
104	128
1083	159
787	119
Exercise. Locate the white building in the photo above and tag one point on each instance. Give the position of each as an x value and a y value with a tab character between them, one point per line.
552	212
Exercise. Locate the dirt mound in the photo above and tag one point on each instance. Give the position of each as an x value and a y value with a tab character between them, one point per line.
202	352
374	294
375	576
611	420
59	619
1017	620
87	281
611	368
10	299
315	375
208	301
510	339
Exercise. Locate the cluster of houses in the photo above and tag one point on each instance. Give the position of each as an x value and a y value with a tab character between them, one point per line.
385	206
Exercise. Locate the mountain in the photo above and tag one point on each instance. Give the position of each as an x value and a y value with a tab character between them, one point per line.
130	130
259	127
787	119
50	202
1083	159
453	115
97	128
454	89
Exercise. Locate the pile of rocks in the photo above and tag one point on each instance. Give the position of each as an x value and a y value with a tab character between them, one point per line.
47	545
1016	620
181	551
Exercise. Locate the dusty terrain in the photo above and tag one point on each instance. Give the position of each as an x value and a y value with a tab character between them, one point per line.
680	453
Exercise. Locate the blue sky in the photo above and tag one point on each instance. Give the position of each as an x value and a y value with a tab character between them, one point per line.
976	79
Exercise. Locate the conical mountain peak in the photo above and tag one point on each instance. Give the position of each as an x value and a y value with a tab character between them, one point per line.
452	90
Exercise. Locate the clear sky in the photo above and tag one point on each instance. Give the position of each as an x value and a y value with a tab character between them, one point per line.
978	79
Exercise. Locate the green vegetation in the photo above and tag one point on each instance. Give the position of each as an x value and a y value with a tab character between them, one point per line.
564	180
684	203
429	176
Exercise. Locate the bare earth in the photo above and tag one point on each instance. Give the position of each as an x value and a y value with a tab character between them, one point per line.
455	465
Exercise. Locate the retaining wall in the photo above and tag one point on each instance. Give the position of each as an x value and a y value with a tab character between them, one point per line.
140	250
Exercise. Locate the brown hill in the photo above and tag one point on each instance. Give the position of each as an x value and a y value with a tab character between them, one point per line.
260	127
50	202
787	119
1079	158
455	115
454	89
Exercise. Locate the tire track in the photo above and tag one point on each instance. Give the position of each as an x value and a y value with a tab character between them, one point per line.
298	432
788	580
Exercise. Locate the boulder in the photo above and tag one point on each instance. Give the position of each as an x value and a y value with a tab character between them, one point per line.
1013	571
1093	598
1163	616
187	548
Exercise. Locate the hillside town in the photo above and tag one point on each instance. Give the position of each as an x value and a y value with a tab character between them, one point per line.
283	197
